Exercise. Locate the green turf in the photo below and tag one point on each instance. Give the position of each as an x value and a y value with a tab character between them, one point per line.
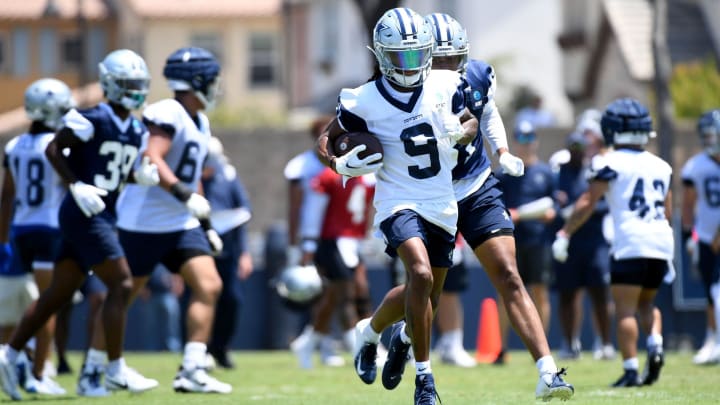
273	378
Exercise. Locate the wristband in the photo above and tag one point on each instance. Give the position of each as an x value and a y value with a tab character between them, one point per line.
180	191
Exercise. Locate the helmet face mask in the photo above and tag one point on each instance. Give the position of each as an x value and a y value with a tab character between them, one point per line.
197	70
450	46
125	78
47	101
626	122
402	44
708	128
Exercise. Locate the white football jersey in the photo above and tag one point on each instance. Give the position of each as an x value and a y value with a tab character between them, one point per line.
38	189
638	184
153	209
704	173
303	168
417	165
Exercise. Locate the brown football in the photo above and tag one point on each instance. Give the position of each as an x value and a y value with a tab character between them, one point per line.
345	142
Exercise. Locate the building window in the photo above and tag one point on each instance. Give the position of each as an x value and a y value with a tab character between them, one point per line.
3	52
48	52
71	52
263	60
21	52
209	41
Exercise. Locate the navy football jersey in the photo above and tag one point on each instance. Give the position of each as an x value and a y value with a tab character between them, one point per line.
109	149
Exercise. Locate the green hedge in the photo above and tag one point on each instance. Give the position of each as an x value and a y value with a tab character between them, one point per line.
695	88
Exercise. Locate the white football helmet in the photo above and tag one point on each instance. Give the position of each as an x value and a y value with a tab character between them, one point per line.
450	39
299	284
47	100
402	44
125	78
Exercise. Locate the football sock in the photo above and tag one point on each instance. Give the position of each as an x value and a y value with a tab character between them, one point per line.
194	356
631	364
369	335
422	367
11	354
546	365
95	359
349	339
114	366
654	340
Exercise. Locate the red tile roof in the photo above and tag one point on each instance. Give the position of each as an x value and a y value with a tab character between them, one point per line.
205	8
35	9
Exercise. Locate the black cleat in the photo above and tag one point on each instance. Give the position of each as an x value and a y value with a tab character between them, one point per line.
365	366
222	359
397	357
425	392
655	361
501	358
628	379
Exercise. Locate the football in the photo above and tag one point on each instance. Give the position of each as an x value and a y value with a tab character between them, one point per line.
349	140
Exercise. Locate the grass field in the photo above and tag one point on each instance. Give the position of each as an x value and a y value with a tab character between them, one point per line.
273	378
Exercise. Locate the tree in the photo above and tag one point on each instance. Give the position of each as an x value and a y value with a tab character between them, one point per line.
372	10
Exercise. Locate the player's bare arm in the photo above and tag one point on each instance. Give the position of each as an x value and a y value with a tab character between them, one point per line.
584	207
159	143
324	145
7	199
65	138
687	213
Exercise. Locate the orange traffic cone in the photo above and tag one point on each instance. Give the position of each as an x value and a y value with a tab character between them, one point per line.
488	335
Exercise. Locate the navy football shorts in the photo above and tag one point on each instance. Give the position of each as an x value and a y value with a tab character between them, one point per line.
456	280
482	215
39	246
88	241
406	224
146	250
330	263
709	266
643	272
586	266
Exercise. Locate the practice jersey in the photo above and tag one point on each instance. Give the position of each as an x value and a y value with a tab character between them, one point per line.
638	183
417	161
153	209
348	207
303	168
109	149
38	189
703	173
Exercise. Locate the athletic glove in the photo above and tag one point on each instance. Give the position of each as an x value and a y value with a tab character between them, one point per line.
147	173
560	247
88	198
216	243
198	206
351	165
452	128
511	165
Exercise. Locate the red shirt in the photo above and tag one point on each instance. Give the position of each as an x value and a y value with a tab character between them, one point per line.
348	207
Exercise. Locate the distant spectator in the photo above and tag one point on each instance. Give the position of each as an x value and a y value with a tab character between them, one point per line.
530	109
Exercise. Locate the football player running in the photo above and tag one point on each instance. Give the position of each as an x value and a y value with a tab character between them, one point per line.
415	113
701	210
483	219
34	191
636	185
103	144
168	216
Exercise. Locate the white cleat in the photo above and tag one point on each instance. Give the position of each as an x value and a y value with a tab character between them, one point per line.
8	376
553	386
457	357
704	355
129	379
90	383
46	386
198	380
303	347
328	353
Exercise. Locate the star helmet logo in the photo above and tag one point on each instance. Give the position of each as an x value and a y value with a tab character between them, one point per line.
380	28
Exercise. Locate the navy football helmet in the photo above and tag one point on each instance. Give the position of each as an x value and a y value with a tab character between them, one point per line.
626	122
708	127
47	100
124	78
194	69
